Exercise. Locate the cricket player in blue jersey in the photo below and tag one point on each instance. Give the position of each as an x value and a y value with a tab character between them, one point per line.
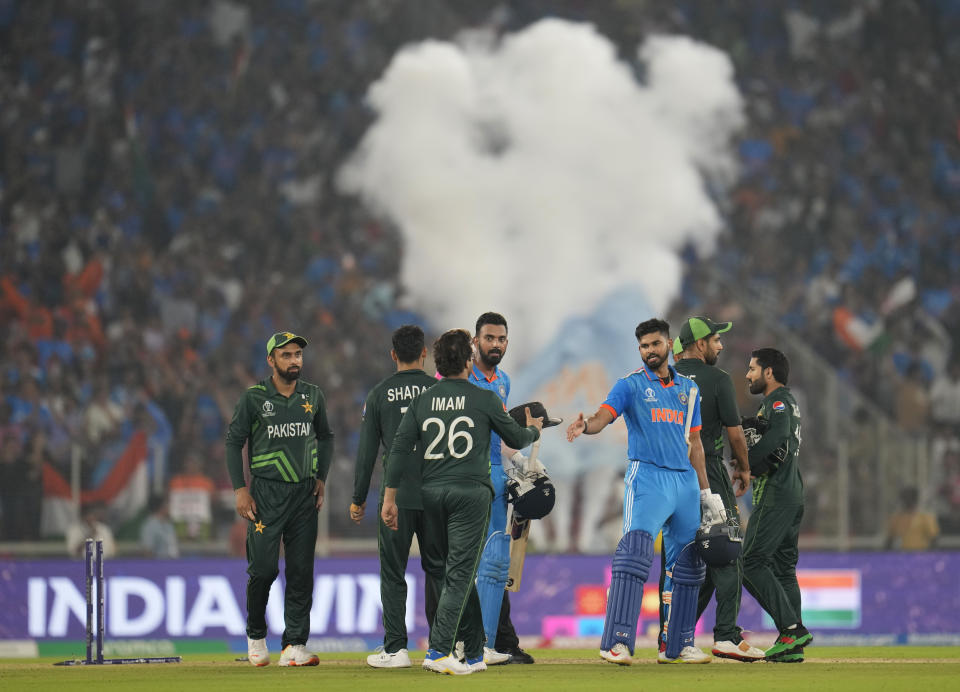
666	474
503	645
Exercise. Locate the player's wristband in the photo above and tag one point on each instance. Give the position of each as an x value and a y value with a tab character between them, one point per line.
586	424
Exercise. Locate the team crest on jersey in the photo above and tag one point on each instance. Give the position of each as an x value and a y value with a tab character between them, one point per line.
683	398
649	394
267	409
779	406
503	392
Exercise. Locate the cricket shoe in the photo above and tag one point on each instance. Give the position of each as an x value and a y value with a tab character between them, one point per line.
738	652
476	665
296	655
257	652
795	657
789	641
492	657
689	654
381	659
444	663
618	654
518	655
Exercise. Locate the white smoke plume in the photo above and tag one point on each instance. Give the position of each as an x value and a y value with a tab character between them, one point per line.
535	175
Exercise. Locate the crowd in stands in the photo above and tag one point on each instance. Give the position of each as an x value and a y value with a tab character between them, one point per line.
167	201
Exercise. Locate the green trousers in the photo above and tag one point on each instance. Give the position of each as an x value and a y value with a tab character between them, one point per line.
285	512
394	549
455	527
770	556
725	581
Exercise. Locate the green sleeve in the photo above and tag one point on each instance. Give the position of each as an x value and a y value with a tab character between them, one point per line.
727	402
367	449
402	449
514	435
321	427
237	433
776	435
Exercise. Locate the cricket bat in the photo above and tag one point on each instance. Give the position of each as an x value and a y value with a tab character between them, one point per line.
519	533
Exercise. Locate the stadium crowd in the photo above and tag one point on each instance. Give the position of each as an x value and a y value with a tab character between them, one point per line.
167	199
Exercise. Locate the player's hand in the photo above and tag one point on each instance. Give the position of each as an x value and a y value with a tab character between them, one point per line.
318	490
246	505
357	512
389	515
741	481
576	428
535	422
712	510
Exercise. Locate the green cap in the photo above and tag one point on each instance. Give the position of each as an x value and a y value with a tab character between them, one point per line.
698	328
282	339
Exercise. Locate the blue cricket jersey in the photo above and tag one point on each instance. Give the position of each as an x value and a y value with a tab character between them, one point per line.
655	415
499	383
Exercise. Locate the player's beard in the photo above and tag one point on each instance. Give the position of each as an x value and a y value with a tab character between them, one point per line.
756	386
655	360
292	374
491	358
711	358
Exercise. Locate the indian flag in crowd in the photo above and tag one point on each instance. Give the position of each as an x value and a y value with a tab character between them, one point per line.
830	598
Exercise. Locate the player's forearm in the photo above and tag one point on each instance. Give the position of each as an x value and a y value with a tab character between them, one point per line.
698	462
324	456
235	465
363	470
738	447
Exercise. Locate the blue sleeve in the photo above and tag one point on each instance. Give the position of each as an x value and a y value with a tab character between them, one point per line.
620	396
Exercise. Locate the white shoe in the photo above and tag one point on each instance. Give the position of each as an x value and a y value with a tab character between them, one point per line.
447	665
458	652
296	655
381	659
492	657
619	654
689	654
476	665
739	652
257	652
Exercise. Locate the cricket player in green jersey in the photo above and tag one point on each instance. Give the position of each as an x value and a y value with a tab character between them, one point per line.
384	407
290	446
446	433
696	351
770	549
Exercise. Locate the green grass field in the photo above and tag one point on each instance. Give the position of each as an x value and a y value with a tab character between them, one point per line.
826	668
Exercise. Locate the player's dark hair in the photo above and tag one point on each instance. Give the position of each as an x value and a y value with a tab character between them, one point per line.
775	360
490	318
408	343
652	326
452	351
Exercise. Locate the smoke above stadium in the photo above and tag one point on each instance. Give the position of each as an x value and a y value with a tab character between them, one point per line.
536	174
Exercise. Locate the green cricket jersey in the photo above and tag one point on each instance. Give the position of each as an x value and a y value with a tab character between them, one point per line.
718	403
782	484
449	425
290	438
385	405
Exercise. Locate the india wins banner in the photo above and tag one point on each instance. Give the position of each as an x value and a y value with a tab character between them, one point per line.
563	596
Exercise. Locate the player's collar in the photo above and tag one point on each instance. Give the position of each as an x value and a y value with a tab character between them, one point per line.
477	374
653	377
